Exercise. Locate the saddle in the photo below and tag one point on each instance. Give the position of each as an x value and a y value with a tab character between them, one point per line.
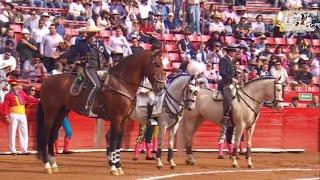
218	96
142	103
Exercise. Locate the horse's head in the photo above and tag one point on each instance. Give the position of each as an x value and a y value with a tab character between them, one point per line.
190	93
155	73
278	94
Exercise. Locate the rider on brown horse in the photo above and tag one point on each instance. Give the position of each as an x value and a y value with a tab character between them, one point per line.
94	51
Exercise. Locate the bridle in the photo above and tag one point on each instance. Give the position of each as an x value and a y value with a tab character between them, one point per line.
157	82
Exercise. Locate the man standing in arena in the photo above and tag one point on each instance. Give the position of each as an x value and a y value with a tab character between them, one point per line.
15	115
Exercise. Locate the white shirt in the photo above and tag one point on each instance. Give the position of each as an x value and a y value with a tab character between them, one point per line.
294	4
216	27
257	27
37	34
226	14
315	67
54	72
11	61
279	73
30	71
145	9
49	44
237	17
117	44
76	9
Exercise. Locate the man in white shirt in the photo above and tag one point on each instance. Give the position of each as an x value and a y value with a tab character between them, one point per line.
119	46
37	34
6	58
48	47
76	11
202	54
145	8
217	25
228	13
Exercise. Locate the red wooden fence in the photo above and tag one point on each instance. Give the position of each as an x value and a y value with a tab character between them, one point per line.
291	128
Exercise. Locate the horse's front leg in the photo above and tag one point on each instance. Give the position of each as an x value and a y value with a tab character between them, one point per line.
114	155
118	160
173	131
162	131
249	145
238	133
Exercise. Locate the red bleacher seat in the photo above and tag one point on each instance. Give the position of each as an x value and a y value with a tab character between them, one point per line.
178	37
280	41
291	41
316	80
15	28
68	30
269	40
302	89
167	37
316	42
145	46
194	38
313	89
170	48
229	39
256	40
159	37
286	50
205	38
174	56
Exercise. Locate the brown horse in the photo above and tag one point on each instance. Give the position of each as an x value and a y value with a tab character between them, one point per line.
117	95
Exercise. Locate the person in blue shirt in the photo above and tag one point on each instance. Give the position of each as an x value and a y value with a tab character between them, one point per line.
171	25
161	8
59	25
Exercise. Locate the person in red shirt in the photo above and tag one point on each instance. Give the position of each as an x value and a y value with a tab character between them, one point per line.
147	32
15	115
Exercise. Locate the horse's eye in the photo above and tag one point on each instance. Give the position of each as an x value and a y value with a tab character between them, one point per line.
196	93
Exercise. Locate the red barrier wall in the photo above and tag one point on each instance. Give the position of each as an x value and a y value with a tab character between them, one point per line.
291	128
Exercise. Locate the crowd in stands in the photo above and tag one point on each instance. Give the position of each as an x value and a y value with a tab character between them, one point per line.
32	36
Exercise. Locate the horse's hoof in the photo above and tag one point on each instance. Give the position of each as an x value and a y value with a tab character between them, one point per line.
235	166
159	167
250	166
114	173
220	157
48	170
187	162
55	170
120	171
172	167
193	163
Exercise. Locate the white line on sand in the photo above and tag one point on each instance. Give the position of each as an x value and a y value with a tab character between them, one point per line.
227	171
312	178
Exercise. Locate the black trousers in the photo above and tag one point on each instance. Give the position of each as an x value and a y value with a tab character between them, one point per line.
227	98
48	62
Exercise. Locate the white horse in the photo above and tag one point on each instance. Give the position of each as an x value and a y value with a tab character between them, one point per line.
245	112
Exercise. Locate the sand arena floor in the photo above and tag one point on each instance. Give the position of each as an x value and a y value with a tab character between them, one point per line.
91	166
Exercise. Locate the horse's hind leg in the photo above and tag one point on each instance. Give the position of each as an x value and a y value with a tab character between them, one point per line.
53	137
173	132
162	132
249	145
238	133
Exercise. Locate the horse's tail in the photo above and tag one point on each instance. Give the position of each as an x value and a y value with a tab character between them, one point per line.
40	131
99	132
181	136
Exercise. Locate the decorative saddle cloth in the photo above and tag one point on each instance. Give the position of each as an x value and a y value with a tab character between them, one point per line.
142	103
218	96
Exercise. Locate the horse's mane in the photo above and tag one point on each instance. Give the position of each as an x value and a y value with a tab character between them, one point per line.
258	79
176	76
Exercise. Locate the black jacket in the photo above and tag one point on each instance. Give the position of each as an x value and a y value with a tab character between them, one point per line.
226	70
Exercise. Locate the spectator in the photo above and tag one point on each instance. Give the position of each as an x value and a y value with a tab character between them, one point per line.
261	45
38	33
243	28
308	52
116	21
293	4
32	22
135	48
293	58
98	5
33	68
279	3
228	26
161	8
279	53
258	27
76	11
171	25
103	20
58	20
217	25
15	116
185	45
159	26
304	77
194	11
202	54
147	32
8	59
129	22
264	70
119	46
315	102
132	7
88	11
58	68
31	91
45	17
135	32
177	4
216	54
9	36
315	67
253	52
214	37
279	24
144	9
211	75
33	3
118	5
294	102
240	12
7	15
228	13
267	51
26	47
9	45
48	46
277	71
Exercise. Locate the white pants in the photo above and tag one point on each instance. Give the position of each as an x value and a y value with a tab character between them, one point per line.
18	120
151	98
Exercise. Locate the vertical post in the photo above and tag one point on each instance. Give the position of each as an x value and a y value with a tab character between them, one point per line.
202	11
184	14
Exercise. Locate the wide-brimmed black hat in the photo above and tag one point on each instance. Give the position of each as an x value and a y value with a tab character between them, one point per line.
231	47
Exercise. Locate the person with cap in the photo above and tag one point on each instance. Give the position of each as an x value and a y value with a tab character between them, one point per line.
227	72
278	71
261	45
46	18
159	26
171	24
116	20
32	22
239	13
26	47
48	47
97	6
217	25
15	115
118	5
99	58
194	11
76	11
103	20
161	8
185	45
38	33
201	55
215	54
88	10
58	22
264	70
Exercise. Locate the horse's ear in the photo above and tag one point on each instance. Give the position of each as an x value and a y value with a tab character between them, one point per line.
192	77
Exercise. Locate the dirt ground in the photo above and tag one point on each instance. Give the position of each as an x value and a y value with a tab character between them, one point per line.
92	166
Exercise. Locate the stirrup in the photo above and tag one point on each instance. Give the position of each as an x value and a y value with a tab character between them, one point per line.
153	122
225	121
